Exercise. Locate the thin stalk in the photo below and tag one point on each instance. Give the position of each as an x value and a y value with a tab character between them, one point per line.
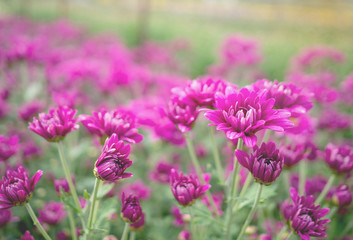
286	179
68	176
326	189
247	183
95	213
132	235
199	172
36	222
232	194
216	157
251	213
281	233
72	225
126	231
193	230
302	176
290	235
93	204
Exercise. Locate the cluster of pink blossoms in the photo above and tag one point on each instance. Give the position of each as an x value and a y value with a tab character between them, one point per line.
143	111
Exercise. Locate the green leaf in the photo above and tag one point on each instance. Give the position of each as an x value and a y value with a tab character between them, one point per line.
267	192
86	195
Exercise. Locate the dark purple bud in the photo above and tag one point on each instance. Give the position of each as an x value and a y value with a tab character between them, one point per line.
131	210
265	163
186	189
16	188
113	161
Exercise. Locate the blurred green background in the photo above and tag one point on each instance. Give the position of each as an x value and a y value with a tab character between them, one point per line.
282	27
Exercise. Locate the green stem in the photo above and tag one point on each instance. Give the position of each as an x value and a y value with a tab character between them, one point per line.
68	176
199	172
126	231
233	193
93	204
216	157
252	212
132	235
193	230
281	233
96	207
247	183
286	181
291	235
36	222
326	189
302	176
72	225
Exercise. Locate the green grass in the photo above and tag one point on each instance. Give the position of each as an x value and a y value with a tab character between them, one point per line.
279	41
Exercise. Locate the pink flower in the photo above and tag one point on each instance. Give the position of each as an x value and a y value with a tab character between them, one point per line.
29	110
339	158
241	114
103	124
131	210
306	217
186	189
113	161
182	115
138	189
200	92
55	125
287	96
162	171
27	236
16	188
8	147
265	163
52	213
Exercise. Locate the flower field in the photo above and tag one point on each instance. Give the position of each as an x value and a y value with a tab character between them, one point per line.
100	139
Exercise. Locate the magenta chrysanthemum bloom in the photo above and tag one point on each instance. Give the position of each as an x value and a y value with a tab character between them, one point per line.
182	115
8	147
162	171
179	218
287	96
339	158
113	161
138	189
200	92
16	188
241	114
333	120
52	213
342	197
55	125
6	217
131	210
27	236
137	226
184	235
103	124
186	189
315	185
265	163
292	154
61	185
29	110
306	217
286	209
